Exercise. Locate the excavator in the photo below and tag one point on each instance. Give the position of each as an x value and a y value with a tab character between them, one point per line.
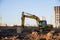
42	24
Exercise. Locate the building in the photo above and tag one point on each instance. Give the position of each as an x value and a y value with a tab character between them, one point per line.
57	16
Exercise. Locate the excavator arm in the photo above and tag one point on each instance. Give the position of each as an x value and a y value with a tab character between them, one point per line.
29	16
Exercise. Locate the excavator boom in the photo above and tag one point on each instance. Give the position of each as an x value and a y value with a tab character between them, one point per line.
29	16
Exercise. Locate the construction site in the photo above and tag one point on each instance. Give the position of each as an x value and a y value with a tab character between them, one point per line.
14	14
43	31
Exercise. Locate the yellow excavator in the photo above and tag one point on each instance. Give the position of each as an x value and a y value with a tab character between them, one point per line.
42	24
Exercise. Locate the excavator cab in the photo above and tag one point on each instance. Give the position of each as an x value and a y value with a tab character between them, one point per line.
43	23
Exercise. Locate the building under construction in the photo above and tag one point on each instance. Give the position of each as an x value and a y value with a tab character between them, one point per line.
57	16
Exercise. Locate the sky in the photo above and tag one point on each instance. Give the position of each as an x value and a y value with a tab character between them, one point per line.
11	10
